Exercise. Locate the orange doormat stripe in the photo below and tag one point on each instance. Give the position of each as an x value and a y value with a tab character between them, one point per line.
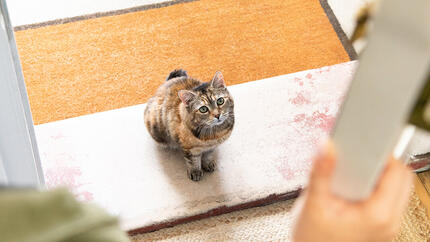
111	62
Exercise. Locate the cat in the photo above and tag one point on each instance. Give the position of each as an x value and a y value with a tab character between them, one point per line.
192	116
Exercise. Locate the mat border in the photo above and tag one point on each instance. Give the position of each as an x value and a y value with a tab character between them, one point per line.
339	31
217	211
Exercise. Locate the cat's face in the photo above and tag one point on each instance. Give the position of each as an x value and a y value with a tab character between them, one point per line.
210	107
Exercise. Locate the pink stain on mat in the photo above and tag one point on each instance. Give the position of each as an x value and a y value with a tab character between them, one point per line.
62	176
286	172
298	80
299	118
58	136
311	118
300	99
323	121
67	176
318	119
292	166
62	173
324	69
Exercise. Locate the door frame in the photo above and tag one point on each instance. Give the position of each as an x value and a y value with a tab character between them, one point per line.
19	156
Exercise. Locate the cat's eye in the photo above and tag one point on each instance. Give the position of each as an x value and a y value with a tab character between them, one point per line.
220	101
203	109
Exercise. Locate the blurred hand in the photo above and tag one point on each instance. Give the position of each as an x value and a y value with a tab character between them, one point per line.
326	217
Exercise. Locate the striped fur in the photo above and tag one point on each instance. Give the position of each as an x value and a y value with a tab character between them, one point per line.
173	117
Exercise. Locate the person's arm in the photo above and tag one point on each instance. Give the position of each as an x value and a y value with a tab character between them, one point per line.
326	217
30	215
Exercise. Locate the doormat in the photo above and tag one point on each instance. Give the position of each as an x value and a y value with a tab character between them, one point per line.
111	60
110	159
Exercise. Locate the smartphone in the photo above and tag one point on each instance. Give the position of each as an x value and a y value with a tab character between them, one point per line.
391	76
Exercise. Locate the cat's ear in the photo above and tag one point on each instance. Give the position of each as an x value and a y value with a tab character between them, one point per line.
218	80
186	96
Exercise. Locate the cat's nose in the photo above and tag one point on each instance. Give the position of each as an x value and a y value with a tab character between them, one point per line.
217	116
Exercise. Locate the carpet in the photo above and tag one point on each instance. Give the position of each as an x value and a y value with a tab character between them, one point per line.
273	223
111	60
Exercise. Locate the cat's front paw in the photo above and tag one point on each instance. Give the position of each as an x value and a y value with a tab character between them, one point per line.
209	166
195	174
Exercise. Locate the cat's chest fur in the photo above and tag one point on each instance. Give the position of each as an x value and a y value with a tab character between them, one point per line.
189	141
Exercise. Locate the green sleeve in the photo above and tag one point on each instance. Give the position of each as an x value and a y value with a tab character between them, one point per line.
34	216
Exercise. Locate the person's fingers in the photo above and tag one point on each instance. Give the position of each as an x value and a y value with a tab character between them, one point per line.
299	204
323	168
392	191
405	192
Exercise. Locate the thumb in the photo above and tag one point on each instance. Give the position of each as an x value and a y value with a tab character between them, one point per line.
323	168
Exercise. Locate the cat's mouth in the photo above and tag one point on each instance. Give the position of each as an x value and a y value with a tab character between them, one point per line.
209	128
218	121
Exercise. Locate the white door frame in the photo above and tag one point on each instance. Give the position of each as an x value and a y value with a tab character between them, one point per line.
19	158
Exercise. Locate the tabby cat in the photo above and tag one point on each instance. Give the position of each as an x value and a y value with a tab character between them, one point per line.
193	116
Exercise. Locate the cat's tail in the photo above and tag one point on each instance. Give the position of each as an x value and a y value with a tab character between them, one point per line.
177	73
